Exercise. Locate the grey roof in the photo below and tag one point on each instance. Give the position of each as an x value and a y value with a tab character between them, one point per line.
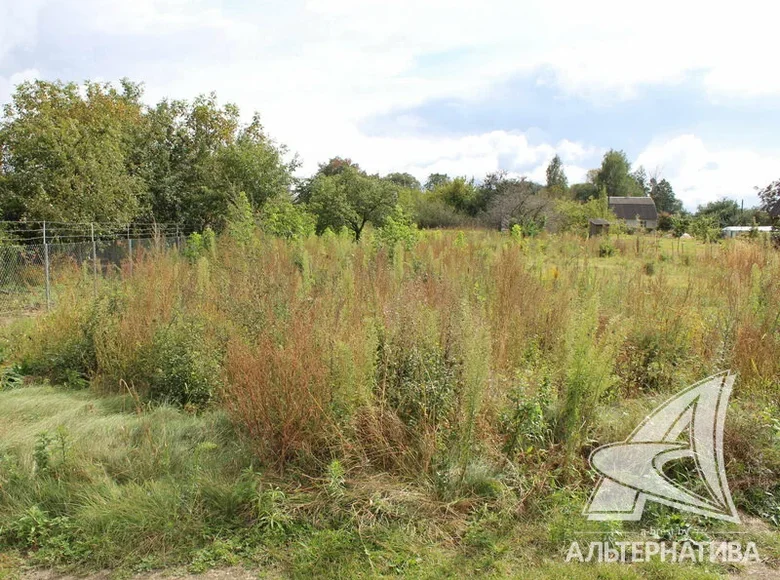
628	208
598	221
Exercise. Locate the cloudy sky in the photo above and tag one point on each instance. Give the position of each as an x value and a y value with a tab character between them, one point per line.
688	89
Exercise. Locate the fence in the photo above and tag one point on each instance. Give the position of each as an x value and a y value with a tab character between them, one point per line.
35	266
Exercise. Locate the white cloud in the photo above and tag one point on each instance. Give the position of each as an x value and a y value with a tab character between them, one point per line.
701	173
316	68
7	85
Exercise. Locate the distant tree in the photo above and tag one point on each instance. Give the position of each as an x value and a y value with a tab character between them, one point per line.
337	165
406	180
583	191
435	180
352	199
705	228
663	196
460	194
515	201
615	176
557	183
680	224
497	185
725	212
770	199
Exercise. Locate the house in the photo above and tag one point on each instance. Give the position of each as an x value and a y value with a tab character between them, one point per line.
736	231
636	212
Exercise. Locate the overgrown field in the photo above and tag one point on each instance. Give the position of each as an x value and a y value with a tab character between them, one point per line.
331	408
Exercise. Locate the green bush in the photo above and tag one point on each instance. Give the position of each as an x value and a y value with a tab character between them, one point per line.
180	367
282	218
397	229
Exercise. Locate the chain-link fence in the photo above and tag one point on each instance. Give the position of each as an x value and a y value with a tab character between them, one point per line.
33	274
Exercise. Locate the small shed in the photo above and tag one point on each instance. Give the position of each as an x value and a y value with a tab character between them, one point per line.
598	226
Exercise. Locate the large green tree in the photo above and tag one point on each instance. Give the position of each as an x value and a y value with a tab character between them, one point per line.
351	199
615	176
196	157
664	197
66	152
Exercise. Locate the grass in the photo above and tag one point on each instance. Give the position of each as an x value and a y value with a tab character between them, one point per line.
324	408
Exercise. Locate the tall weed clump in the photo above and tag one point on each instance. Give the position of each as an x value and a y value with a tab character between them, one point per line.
588	373
279	394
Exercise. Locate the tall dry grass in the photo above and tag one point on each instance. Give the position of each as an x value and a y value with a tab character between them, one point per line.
330	349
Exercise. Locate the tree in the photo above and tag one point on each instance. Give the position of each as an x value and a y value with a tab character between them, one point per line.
770	199
614	176
282	218
352	199
583	191
725	212
514	201
460	194
435	180
336	166
557	184
195	157
705	228
405	180
663	196
65	152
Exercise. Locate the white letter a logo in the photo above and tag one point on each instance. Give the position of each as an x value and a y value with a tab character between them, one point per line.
689	425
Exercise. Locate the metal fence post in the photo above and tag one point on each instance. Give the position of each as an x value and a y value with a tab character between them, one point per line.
46	267
94	257
130	248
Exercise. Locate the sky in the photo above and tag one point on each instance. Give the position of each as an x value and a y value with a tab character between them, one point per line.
687	89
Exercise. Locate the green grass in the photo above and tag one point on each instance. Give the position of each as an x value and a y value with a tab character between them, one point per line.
90	483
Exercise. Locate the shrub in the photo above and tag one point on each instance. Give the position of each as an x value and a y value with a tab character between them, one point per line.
398	229
282	218
179	366
606	249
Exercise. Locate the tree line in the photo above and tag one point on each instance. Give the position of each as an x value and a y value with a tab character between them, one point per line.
96	153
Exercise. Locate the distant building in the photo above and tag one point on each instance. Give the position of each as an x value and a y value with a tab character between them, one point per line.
636	212
736	231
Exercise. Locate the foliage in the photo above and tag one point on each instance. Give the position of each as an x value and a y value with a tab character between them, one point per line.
573	216
98	154
180	367
66	153
398	229
404	180
285	219
721	213
663	196
557	184
770	198
430	414
436	180
351	199
614	176
705	228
